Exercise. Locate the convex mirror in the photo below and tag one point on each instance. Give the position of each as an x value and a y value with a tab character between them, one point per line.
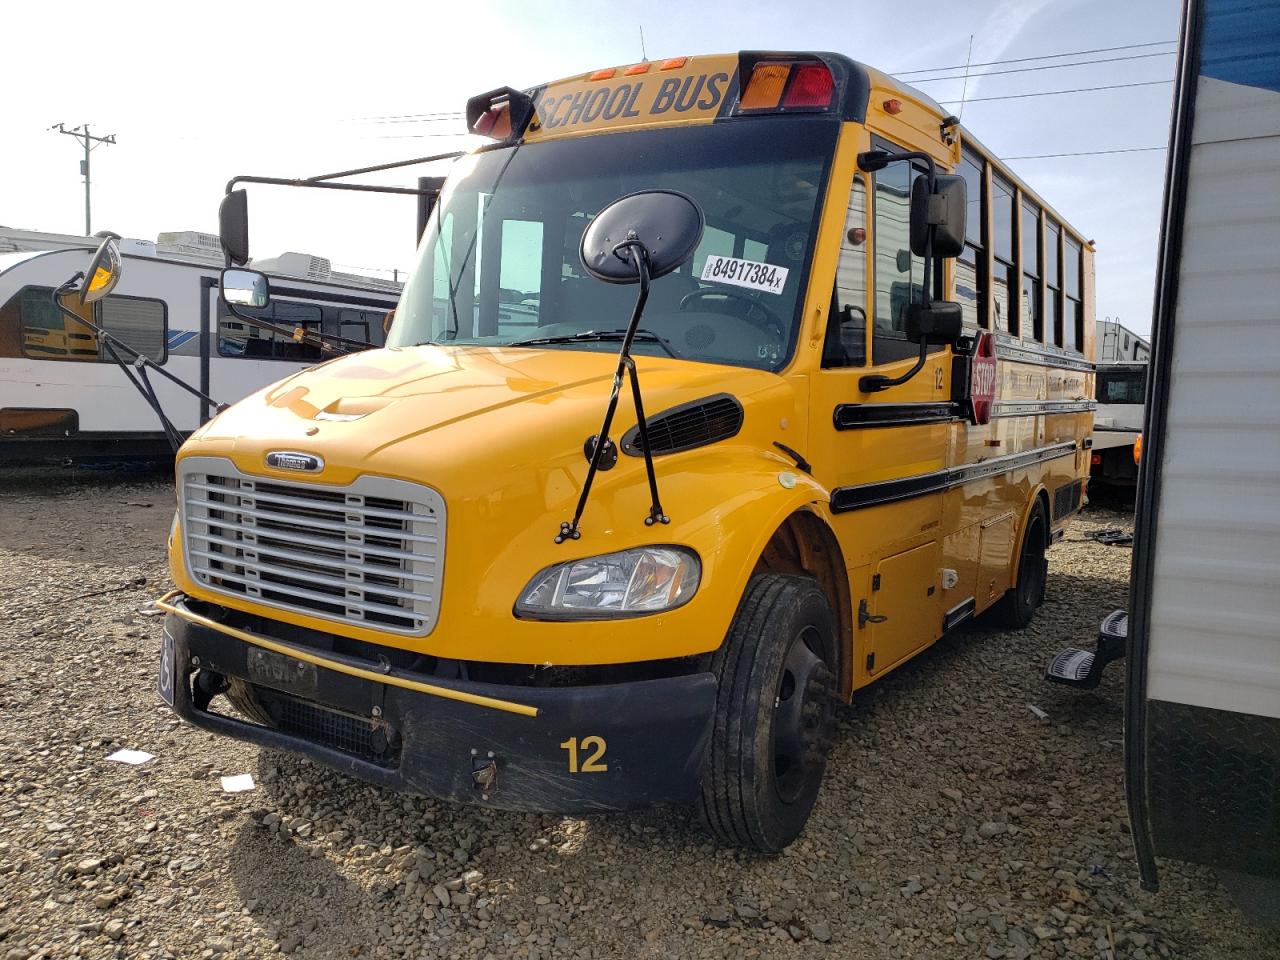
666	223
103	273
245	288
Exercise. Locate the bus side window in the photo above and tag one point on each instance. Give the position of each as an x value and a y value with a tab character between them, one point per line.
1003	280
971	265
846	341
899	273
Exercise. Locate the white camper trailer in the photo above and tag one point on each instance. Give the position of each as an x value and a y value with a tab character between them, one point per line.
1202	732
61	394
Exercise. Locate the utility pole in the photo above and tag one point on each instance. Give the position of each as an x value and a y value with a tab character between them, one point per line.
90	143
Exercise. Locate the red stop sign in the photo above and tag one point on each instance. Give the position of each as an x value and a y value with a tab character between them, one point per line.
982	379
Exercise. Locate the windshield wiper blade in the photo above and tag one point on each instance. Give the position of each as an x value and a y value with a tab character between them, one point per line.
599	336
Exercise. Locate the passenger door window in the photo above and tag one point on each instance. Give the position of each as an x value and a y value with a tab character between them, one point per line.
846	343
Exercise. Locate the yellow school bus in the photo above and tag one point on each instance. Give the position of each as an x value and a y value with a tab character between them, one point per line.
863	351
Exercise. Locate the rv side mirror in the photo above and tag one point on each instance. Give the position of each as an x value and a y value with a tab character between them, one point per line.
233	226
939	322
943	212
245	288
666	224
103	273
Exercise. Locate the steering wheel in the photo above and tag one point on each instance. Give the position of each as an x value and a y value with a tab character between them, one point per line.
771	319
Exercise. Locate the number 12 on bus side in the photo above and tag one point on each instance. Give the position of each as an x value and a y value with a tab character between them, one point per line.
745	273
593	754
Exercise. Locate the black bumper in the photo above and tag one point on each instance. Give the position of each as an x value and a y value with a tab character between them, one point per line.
631	744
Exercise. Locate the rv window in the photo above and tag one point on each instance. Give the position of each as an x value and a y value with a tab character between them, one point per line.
47	334
239	339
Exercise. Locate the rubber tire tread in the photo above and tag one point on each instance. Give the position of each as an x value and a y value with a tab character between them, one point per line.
1006	611
243	699
728	811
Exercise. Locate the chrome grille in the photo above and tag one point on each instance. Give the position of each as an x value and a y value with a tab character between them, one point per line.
369	554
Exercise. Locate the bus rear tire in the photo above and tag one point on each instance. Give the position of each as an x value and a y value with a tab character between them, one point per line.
1018	606
774	714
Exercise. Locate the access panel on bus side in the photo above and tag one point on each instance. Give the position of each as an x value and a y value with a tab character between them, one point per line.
904	592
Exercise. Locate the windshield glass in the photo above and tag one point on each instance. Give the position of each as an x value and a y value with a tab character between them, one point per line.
499	262
1121	386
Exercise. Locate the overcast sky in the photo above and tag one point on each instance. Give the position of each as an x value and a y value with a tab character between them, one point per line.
198	93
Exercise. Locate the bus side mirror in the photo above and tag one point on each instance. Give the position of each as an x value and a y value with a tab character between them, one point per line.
938	322
103	273
942	212
233	226
245	288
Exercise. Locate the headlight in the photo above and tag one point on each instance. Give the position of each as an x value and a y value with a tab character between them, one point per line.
629	583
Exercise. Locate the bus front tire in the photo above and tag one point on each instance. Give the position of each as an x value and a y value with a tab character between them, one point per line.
246	701
1017	607
774	714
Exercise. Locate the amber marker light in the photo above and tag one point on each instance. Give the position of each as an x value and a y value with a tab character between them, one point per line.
764	89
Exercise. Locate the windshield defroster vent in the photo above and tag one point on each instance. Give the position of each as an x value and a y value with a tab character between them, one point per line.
689	425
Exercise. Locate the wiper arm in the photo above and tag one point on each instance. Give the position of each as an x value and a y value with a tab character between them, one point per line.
599	336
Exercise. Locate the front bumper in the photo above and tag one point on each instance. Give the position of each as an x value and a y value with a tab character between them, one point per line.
590	748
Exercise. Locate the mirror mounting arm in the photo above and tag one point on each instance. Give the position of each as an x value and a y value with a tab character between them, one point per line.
875	382
569	529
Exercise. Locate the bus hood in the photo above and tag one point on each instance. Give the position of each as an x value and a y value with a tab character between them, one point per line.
430	413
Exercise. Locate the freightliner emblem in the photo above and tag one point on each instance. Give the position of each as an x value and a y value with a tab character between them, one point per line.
293	460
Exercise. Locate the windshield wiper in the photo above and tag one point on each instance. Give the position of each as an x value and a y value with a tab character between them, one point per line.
600	336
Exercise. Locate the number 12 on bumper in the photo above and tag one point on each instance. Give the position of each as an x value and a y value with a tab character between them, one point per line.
592	754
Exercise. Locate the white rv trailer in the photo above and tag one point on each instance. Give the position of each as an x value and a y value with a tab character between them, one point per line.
1202	726
62	396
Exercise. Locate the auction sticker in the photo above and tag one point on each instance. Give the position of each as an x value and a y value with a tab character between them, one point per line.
745	273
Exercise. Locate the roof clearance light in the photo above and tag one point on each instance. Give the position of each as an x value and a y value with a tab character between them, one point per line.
764	89
605	74
636	68
674	63
812	86
494	123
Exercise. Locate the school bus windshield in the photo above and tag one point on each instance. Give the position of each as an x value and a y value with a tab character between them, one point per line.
500	262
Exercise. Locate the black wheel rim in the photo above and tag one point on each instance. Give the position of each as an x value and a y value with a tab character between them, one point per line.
1032	564
802	705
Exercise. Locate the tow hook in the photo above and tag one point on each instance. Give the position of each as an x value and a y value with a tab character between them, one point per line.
484	772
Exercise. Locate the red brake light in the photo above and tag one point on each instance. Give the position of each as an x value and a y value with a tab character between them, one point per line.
811	86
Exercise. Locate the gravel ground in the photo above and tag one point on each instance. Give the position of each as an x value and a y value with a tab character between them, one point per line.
954	822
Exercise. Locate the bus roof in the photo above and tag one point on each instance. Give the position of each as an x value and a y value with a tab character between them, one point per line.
706	88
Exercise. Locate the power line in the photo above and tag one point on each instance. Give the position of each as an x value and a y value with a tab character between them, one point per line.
1084	153
1054	93
1045	56
1048	66
91	143
388	118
